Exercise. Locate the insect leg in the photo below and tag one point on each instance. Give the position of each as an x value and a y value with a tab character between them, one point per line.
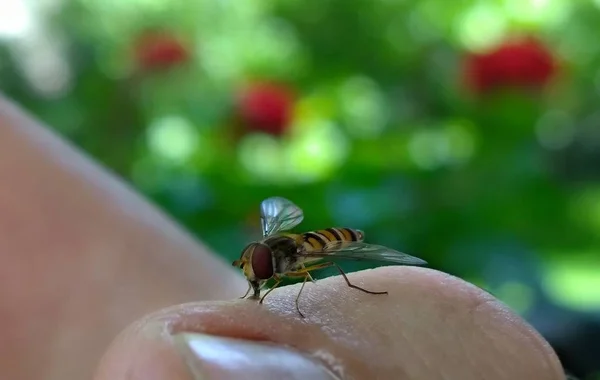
304	272
247	291
270	290
352	285
309	276
300	292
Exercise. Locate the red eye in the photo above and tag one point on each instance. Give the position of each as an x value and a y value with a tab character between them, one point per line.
262	262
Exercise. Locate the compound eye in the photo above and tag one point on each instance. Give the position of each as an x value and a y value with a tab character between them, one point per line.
262	262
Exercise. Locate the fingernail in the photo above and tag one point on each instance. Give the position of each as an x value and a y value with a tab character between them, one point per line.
210	357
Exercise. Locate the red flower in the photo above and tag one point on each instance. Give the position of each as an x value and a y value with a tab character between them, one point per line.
155	50
266	107
518	63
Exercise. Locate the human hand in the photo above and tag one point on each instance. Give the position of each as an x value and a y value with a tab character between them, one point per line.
83	256
430	326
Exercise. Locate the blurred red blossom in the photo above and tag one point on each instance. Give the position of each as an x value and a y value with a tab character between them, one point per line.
524	63
160	50
266	107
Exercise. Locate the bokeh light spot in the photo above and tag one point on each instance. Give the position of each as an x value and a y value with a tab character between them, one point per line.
461	142
316	151
425	147
130	7
481	26
261	156
173	138
42	57
273	46
518	296
537	12
15	18
432	148
573	280
251	48
220	57
363	105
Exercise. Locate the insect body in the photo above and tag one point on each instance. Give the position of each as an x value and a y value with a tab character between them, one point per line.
281	254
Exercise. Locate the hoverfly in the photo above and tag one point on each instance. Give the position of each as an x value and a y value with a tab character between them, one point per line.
280	254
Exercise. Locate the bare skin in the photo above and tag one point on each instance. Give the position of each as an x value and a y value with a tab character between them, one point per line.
83	256
430	326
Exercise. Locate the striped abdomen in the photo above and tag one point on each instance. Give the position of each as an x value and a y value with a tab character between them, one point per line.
316	240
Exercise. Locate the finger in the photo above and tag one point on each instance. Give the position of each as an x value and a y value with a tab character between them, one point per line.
73	240
430	326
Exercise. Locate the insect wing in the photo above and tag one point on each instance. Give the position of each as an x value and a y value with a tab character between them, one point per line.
279	214
362	251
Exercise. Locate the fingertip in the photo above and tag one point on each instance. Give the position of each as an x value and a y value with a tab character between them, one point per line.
429	325
477	310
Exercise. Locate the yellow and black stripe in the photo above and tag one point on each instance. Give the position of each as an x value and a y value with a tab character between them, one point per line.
316	240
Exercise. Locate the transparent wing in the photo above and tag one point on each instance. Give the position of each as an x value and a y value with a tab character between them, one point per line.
362	251
279	214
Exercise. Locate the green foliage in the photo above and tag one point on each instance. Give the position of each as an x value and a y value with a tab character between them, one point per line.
385	135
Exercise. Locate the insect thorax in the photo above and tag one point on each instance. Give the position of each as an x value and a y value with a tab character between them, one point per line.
285	250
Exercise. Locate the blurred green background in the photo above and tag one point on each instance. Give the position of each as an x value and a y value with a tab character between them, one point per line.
464	132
